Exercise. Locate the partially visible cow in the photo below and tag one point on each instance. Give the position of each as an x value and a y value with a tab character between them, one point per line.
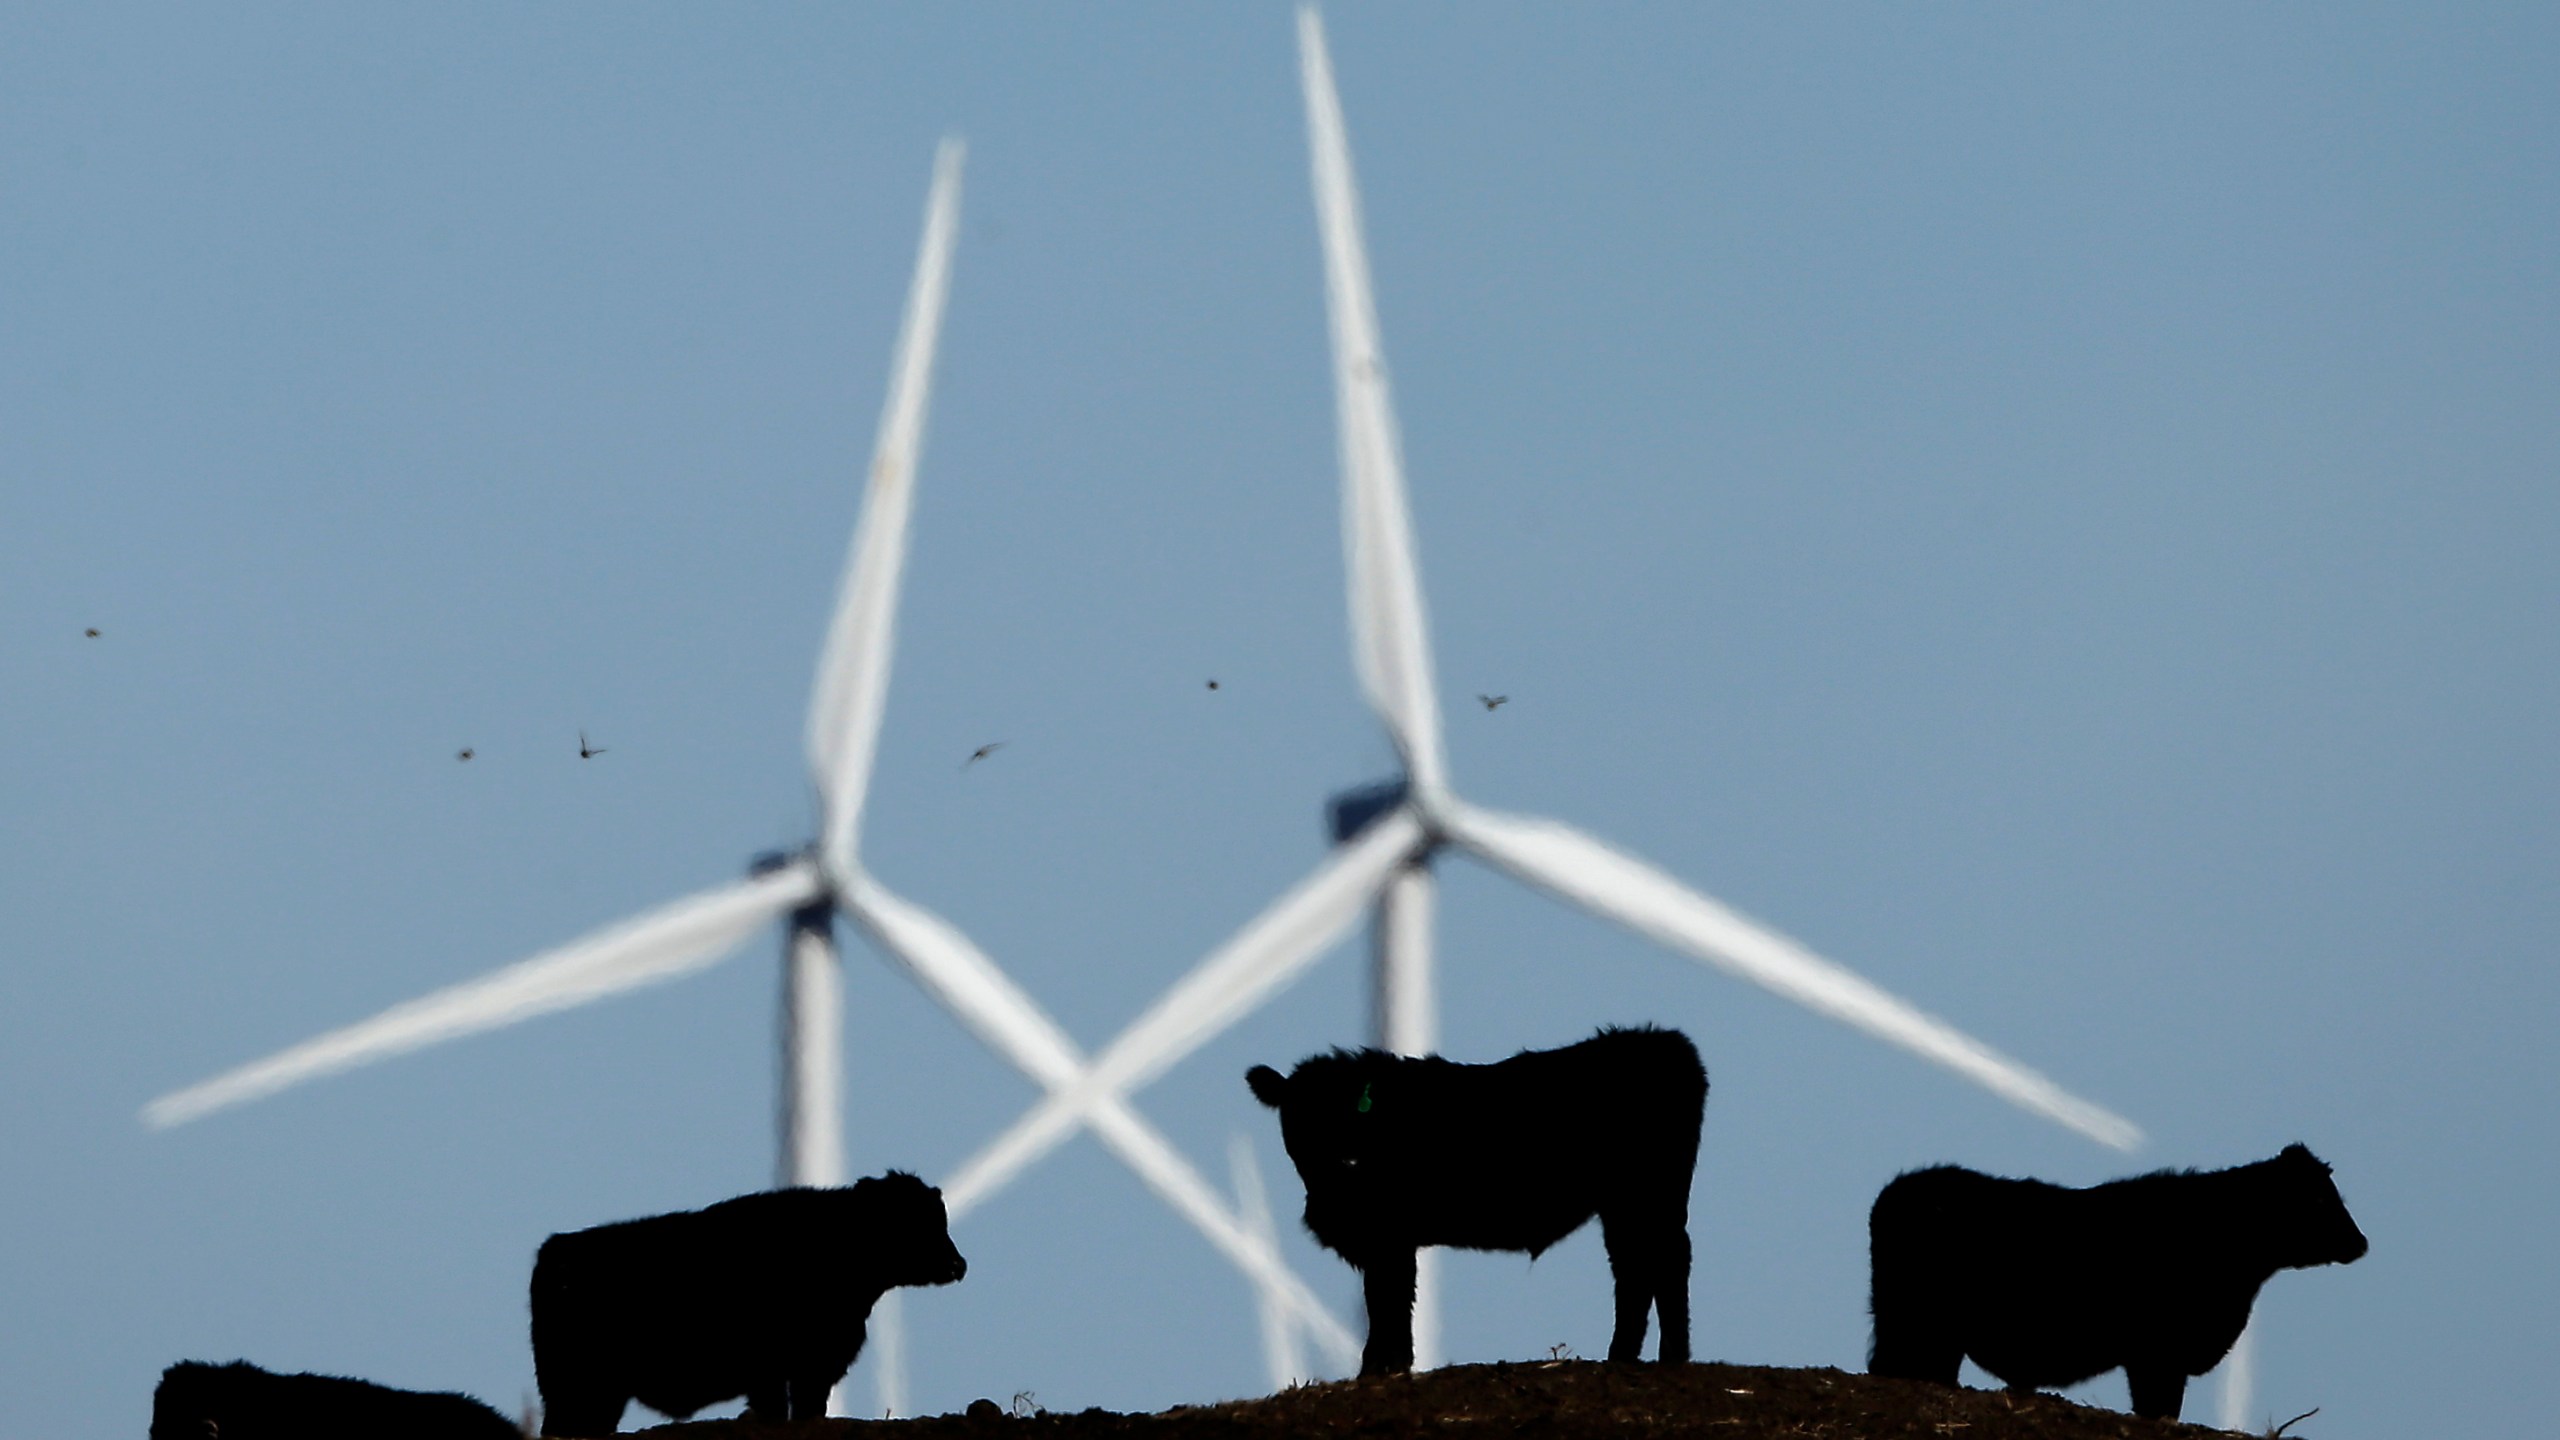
239	1401
764	1296
2045	1286
1400	1153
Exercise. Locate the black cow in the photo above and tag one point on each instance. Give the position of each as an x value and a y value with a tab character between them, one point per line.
1399	1153
764	1296
2044	1285
239	1401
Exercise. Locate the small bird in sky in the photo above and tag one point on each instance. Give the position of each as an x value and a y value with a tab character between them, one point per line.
982	752
462	754
93	634
585	750
1212	684
1493	702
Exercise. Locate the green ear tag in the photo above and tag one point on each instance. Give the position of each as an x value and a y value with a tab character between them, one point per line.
1363	1107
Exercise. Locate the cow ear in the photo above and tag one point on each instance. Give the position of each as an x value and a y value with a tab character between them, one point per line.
1269	1085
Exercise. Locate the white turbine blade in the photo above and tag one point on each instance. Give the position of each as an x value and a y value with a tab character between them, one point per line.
660	945
960	977
1610	883
1274	949
888	1356
1172	1178
1389	634
1040	1130
1253	1206
966	982
853	669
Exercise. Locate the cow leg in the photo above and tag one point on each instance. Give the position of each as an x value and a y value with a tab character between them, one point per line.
769	1400
1919	1308
1671	1298
1649	1261
1911	1345
2158	1390
1921	1359
1386	1282
809	1392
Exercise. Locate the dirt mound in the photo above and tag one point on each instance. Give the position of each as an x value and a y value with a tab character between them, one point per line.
1553	1400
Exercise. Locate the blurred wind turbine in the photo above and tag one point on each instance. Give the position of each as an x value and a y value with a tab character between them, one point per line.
1279	1327
808	889
2239	1379
1389	834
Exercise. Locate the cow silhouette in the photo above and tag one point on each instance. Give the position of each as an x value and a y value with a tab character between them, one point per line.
239	1401
2043	1285
765	1296
1399	1153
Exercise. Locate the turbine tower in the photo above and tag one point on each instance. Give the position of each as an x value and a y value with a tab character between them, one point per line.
1390	834
808	890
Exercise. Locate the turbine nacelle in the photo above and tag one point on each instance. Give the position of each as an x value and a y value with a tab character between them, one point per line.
1351	813
819	914
772	860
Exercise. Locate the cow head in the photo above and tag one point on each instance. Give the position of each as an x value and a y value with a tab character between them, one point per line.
908	1213
2311	1219
1339	1120
183	1406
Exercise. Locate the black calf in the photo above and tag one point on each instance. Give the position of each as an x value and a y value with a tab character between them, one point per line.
764	1296
2044	1286
239	1401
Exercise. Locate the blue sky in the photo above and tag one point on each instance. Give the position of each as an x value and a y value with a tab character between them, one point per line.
2053	509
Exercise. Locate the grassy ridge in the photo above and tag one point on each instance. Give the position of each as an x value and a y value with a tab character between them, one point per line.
1553	1400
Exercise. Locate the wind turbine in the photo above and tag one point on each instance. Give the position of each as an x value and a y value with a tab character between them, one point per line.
1389	834
807	890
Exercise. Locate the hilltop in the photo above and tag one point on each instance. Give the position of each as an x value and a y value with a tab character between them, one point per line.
1553	1400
